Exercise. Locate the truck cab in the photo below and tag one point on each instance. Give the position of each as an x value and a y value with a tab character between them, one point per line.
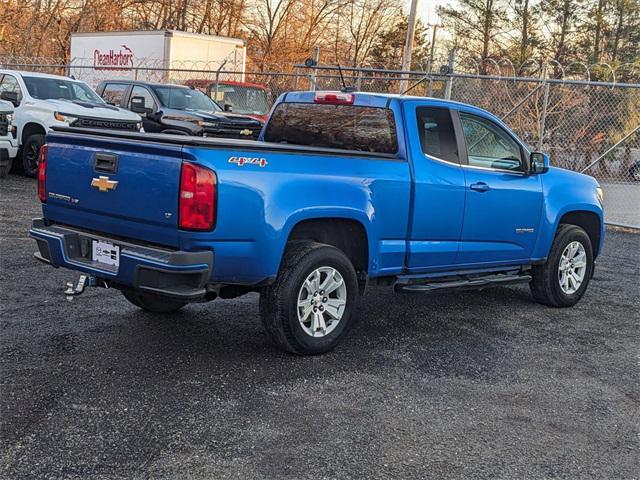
245	98
343	190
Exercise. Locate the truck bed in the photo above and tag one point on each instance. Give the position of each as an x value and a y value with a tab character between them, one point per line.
263	190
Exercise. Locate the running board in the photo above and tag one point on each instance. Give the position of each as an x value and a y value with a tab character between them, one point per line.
461	282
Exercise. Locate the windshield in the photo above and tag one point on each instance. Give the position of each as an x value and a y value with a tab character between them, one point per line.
243	99
184	99
55	89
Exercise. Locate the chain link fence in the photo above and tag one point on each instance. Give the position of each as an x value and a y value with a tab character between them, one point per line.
586	126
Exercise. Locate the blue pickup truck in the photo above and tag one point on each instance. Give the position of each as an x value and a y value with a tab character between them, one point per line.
342	190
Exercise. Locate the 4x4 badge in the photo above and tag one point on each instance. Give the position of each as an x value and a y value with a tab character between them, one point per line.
103	184
240	161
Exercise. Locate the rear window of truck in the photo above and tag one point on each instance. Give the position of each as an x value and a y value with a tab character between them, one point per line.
349	127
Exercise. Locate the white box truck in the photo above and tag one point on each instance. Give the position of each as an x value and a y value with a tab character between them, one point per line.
152	55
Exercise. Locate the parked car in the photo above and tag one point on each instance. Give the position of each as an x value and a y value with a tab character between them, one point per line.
252	99
342	191
178	110
43	101
8	138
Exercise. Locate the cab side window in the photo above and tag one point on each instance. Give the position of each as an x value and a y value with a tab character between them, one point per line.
113	93
138	91
10	84
436	132
488	145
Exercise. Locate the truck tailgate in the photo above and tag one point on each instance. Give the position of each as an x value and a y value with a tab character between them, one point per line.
115	186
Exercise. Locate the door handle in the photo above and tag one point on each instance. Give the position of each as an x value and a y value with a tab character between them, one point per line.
480	187
105	162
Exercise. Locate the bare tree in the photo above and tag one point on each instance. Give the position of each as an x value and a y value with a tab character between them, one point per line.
366	20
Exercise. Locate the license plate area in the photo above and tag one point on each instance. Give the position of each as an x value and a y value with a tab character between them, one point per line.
105	253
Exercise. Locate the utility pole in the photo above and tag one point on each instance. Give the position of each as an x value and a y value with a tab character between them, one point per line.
314	76
433	44
408	46
449	83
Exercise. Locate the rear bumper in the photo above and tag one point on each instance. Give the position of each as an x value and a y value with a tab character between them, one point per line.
150	269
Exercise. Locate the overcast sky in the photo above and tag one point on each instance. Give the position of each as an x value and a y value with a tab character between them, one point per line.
427	9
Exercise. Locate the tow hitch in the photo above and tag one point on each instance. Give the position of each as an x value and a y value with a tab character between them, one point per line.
83	282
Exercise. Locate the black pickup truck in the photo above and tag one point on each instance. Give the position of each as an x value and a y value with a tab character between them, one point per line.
177	109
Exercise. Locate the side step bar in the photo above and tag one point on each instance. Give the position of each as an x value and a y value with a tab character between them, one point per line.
461	282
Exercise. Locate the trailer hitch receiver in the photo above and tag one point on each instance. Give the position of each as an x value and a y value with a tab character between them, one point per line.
83	282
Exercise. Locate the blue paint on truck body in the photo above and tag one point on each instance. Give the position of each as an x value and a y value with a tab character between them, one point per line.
419	213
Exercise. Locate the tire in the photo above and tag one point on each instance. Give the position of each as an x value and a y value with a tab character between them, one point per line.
30	152
547	278
279	302
634	172
153	303
4	169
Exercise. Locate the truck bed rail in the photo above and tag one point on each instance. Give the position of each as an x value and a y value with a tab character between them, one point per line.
220	143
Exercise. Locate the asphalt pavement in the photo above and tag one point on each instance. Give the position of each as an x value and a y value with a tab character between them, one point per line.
482	385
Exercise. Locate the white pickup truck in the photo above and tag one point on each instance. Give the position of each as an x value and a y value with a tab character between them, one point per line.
42	101
8	138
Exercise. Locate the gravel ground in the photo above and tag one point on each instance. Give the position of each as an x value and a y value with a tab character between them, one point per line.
475	385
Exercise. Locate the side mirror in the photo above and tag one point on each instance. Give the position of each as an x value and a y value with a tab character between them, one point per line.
538	163
10	97
138	106
228	107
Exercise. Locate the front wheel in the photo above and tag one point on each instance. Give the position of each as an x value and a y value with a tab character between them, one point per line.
30	152
153	303
564	278
309	307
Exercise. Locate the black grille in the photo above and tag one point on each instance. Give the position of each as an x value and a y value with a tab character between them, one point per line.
230	130
110	124
4	125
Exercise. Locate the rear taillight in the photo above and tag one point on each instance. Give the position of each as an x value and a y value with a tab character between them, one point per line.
42	173
334	98
197	206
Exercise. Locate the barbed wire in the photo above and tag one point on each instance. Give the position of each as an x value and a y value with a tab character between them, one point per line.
493	66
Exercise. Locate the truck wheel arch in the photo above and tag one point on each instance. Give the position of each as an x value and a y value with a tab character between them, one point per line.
346	234
29	129
589	222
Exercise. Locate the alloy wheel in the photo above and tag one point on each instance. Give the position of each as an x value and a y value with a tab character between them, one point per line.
321	301
572	267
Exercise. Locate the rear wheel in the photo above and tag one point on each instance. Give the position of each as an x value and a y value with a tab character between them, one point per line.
562	281
153	303
30	152
308	309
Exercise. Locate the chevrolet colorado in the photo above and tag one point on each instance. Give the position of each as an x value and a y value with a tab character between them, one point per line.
343	190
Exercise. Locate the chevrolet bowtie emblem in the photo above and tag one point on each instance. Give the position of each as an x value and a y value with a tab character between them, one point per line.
246	131
103	184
